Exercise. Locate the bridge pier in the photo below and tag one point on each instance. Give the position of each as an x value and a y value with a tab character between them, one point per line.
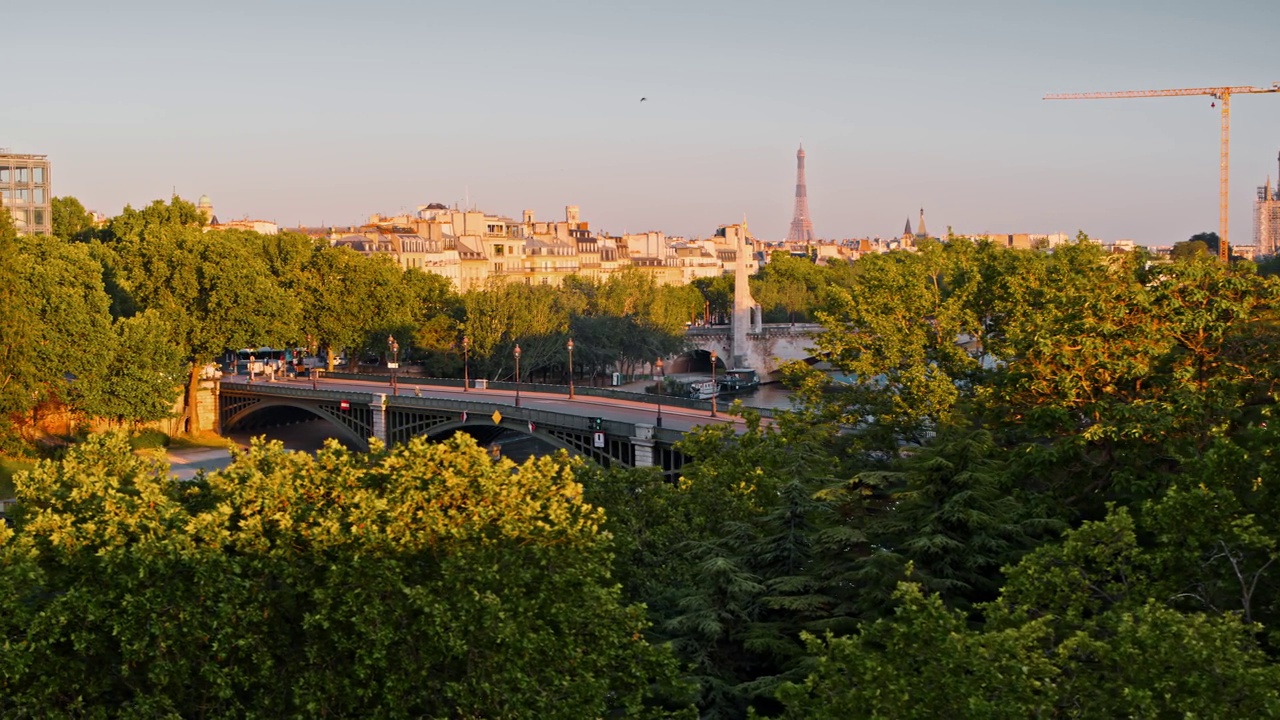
379	408
643	443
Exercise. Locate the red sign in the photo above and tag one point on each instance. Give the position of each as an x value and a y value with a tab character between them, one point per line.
344	404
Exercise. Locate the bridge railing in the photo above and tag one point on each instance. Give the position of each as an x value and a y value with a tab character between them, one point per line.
548	418
295	391
608	393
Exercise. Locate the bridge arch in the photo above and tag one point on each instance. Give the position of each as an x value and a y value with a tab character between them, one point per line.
343	426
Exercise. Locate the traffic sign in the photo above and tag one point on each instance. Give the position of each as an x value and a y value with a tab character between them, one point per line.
598	440
344	404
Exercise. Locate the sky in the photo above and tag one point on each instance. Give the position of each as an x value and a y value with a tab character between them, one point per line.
320	112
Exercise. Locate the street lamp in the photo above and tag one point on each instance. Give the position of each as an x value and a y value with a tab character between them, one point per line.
715	389
517	354
661	383
394	365
570	346
466	364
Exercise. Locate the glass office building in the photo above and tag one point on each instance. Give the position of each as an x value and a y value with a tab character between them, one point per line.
24	191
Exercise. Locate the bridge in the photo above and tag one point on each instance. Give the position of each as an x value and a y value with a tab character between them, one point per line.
767	346
628	433
747	342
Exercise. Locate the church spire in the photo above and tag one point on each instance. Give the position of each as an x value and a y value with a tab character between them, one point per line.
907	231
922	232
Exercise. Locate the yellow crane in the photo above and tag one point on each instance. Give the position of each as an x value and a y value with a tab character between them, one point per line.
1221	95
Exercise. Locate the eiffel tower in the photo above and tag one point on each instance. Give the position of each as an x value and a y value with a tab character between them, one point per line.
801	227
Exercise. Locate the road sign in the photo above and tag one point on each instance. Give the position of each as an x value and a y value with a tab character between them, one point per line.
598	440
393	366
344	404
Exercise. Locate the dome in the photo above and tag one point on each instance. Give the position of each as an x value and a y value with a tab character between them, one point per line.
204	201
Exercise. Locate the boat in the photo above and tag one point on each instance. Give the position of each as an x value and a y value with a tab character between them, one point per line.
739	380
703	389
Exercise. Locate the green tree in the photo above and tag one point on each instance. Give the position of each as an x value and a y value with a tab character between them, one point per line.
955	522
71	315
214	291
352	303
422	581
19	367
1209	239
144	375
69	219
1075	633
1188	249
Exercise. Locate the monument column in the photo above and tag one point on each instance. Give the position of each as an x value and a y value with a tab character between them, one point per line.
743	303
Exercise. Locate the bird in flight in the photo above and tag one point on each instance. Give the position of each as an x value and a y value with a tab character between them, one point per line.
643	99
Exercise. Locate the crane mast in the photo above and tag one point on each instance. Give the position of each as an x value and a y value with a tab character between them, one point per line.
1223	96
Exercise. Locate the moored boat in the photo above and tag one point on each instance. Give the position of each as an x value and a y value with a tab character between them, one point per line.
703	389
739	380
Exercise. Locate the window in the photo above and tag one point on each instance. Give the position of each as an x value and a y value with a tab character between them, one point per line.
37	216
497	250
20	175
20	217
38	196
21	195
5	174
39	175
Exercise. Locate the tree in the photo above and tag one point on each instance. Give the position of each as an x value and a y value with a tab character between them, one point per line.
214	292
421	581
19	326
1188	249
1076	632
955	522
71	314
144	374
352	303
1209	239
69	219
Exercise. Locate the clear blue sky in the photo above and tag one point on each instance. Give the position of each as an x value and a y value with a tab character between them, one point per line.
319	111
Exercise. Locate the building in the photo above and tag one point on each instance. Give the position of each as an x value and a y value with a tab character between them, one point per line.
1266	221
25	191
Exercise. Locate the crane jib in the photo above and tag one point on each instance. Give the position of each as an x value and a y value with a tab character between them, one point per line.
1223	94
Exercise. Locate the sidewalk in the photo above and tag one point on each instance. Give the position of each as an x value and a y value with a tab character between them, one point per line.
187	462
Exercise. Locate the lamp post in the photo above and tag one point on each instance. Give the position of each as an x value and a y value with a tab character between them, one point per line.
394	365
466	363
661	384
715	389
517	354
570	346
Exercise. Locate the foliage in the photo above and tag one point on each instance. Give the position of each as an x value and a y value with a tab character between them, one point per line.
148	439
420	581
213	291
1188	249
70	221
19	368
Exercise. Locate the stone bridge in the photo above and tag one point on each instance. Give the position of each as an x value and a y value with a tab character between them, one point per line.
359	416
767	347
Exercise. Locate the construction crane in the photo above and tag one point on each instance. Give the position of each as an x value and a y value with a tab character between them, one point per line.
1221	95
